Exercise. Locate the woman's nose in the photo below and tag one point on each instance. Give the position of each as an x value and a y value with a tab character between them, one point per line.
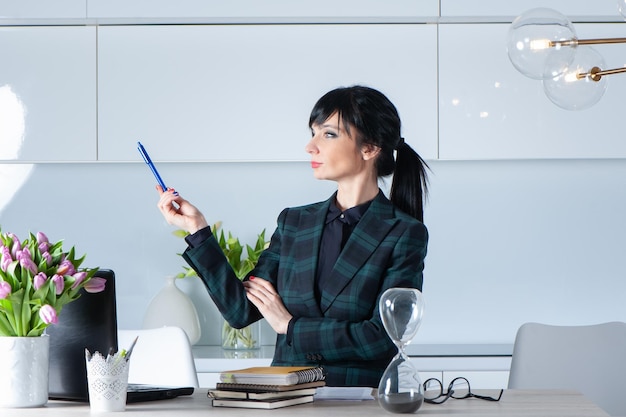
310	147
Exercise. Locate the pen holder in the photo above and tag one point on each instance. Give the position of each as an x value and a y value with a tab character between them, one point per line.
108	381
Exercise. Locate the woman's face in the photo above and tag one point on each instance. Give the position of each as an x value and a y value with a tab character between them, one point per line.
334	153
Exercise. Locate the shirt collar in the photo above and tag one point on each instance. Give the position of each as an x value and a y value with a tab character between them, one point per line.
350	216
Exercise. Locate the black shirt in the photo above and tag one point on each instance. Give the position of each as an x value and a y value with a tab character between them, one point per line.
337	229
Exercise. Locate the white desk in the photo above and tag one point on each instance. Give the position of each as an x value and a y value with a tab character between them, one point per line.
514	403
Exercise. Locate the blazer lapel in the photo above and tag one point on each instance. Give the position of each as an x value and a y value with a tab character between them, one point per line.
367	235
307	245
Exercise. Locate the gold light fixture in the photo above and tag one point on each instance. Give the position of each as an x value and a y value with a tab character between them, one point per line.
542	44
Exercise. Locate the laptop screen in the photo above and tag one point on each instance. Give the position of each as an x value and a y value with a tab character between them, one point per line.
89	322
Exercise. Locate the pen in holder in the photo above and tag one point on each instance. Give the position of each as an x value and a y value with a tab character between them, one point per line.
107	378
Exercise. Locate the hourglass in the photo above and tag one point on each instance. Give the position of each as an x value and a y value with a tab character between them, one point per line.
400	389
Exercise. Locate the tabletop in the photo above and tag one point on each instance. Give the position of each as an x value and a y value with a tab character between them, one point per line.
514	403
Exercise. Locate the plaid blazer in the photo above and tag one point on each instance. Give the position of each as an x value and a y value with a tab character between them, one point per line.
343	332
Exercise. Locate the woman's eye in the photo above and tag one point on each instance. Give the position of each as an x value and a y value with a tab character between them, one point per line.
330	134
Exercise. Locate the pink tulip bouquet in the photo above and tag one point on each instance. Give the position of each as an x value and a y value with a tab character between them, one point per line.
37	278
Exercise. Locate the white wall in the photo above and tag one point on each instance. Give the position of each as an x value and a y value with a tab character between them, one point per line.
526	206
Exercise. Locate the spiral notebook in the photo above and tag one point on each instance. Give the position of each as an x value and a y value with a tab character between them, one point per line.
274	375
90	322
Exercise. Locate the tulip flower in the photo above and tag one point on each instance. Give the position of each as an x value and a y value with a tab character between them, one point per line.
39	280
59	283
16	244
95	284
46	255
42	241
42	238
23	253
48	314
28	264
5	289
26	260
66	268
6	258
79	277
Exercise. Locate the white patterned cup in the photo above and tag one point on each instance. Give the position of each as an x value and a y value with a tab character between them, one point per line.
108	382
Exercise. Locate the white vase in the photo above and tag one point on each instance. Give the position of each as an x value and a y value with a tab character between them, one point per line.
24	371
172	307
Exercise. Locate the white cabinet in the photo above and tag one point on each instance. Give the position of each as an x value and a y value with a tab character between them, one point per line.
43	9
244	92
273	9
515	7
48	93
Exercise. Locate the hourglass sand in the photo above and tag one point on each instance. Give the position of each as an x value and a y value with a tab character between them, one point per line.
400	389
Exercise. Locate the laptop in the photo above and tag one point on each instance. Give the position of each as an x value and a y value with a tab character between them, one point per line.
90	322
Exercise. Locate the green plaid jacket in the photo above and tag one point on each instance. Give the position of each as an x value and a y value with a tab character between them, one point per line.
343	332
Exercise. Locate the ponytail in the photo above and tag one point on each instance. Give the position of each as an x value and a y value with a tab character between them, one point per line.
409	187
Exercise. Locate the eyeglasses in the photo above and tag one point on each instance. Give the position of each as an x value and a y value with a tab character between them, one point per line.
458	388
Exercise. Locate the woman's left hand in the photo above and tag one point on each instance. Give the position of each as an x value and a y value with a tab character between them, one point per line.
264	296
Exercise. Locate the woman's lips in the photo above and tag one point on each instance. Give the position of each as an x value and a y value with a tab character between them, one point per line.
315	164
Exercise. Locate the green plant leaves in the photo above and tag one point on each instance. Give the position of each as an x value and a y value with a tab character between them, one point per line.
233	250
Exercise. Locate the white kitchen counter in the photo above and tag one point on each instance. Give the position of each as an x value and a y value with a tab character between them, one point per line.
486	364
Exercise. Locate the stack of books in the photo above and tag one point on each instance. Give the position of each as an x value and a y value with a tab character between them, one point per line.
267	387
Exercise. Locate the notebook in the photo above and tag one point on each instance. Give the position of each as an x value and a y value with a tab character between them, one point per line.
91	322
274	375
269	404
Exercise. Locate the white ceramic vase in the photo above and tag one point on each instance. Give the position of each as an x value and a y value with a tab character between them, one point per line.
24	371
172	307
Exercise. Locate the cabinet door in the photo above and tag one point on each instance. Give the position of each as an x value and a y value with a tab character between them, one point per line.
600	8
48	93
269	9
53	9
244	92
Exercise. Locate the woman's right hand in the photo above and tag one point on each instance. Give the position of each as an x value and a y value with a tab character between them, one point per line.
179	212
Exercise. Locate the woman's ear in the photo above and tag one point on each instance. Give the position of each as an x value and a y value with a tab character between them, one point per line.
369	151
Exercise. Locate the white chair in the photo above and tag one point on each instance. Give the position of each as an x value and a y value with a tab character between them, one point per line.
589	359
162	356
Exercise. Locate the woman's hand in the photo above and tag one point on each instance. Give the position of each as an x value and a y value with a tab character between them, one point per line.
263	295
180	212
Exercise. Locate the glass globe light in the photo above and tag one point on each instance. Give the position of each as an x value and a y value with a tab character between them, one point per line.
537	35
571	91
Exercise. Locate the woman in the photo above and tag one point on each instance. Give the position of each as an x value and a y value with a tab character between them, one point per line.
319	282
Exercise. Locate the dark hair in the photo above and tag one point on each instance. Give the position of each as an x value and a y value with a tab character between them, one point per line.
377	123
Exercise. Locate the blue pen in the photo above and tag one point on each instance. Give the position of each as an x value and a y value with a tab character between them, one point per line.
146	158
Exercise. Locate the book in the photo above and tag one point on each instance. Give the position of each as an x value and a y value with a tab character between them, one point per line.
274	375
266	388
264	404
244	395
